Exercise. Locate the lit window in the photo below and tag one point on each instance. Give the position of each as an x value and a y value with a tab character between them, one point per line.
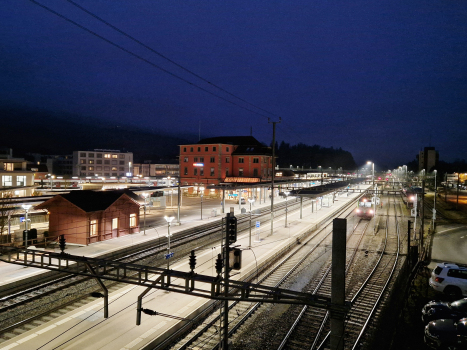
7	181
240	172
8	166
132	220
115	156
114	223
21	181
82	161
107	155
91	168
91	161
93	228
114	168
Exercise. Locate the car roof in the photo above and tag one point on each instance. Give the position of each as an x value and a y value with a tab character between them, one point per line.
453	266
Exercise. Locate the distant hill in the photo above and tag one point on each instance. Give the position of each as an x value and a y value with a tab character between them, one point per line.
32	131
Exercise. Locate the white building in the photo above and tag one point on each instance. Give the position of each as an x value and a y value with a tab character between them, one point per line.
15	178
102	162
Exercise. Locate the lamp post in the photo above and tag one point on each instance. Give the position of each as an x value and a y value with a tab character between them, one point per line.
169	220
372	171
251	201
201	206
319	167
286	193
26	207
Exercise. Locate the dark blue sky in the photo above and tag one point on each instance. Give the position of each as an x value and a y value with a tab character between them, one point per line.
380	79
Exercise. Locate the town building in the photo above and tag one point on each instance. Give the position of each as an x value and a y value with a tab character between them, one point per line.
102	162
230	159
148	169
428	159
86	217
17	177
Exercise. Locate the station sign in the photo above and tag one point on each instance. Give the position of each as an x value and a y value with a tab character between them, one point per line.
168	256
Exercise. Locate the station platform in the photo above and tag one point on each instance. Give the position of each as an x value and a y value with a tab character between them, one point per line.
86	328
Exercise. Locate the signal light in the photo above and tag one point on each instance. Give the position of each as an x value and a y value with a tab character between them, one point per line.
231	225
235	259
62	243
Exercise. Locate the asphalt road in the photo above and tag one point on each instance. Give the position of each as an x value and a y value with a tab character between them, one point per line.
450	244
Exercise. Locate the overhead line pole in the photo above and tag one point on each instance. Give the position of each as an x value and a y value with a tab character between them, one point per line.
273	169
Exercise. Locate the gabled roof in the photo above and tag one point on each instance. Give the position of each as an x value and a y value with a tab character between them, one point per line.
232	140
91	201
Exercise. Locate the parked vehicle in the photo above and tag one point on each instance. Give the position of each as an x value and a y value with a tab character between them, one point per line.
436	310
450	279
446	334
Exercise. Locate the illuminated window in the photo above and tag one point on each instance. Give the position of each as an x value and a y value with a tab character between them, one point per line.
93	228
114	223
91	161
240	160
7	181
115	156
212	171
21	181
107	155
82	161
114	168
132	220
91	168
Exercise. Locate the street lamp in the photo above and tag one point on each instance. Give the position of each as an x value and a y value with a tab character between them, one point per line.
319	167
201	206
251	201
372	171
286	193
26	207
169	220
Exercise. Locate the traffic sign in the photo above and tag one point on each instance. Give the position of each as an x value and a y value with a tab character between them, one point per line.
21	219
257	224
168	256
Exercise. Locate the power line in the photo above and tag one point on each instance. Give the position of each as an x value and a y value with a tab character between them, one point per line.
164	57
141	58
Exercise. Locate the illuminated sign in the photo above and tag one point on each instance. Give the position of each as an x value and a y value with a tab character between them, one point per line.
241	179
198	164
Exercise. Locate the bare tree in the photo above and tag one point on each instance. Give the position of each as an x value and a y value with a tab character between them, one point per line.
6	210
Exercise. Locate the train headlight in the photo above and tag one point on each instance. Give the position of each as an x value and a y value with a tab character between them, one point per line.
371	211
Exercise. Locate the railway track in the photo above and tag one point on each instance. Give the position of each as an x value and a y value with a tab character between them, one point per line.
20	309
208	335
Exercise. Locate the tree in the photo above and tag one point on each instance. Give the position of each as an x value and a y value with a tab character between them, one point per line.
6	209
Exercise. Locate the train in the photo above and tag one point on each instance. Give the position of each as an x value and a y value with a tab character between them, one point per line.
365	208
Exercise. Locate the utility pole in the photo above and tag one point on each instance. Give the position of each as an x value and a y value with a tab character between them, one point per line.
273	169
422	215
458	179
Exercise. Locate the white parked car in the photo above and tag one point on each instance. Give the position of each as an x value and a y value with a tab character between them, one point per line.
450	279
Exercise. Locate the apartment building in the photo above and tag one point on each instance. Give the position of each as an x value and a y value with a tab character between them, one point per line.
102	162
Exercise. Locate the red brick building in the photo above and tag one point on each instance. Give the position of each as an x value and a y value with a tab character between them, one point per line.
86	217
227	159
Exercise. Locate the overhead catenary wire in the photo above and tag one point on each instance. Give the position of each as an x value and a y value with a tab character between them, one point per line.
143	59
166	58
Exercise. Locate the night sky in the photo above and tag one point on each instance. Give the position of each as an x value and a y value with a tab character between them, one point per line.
381	79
